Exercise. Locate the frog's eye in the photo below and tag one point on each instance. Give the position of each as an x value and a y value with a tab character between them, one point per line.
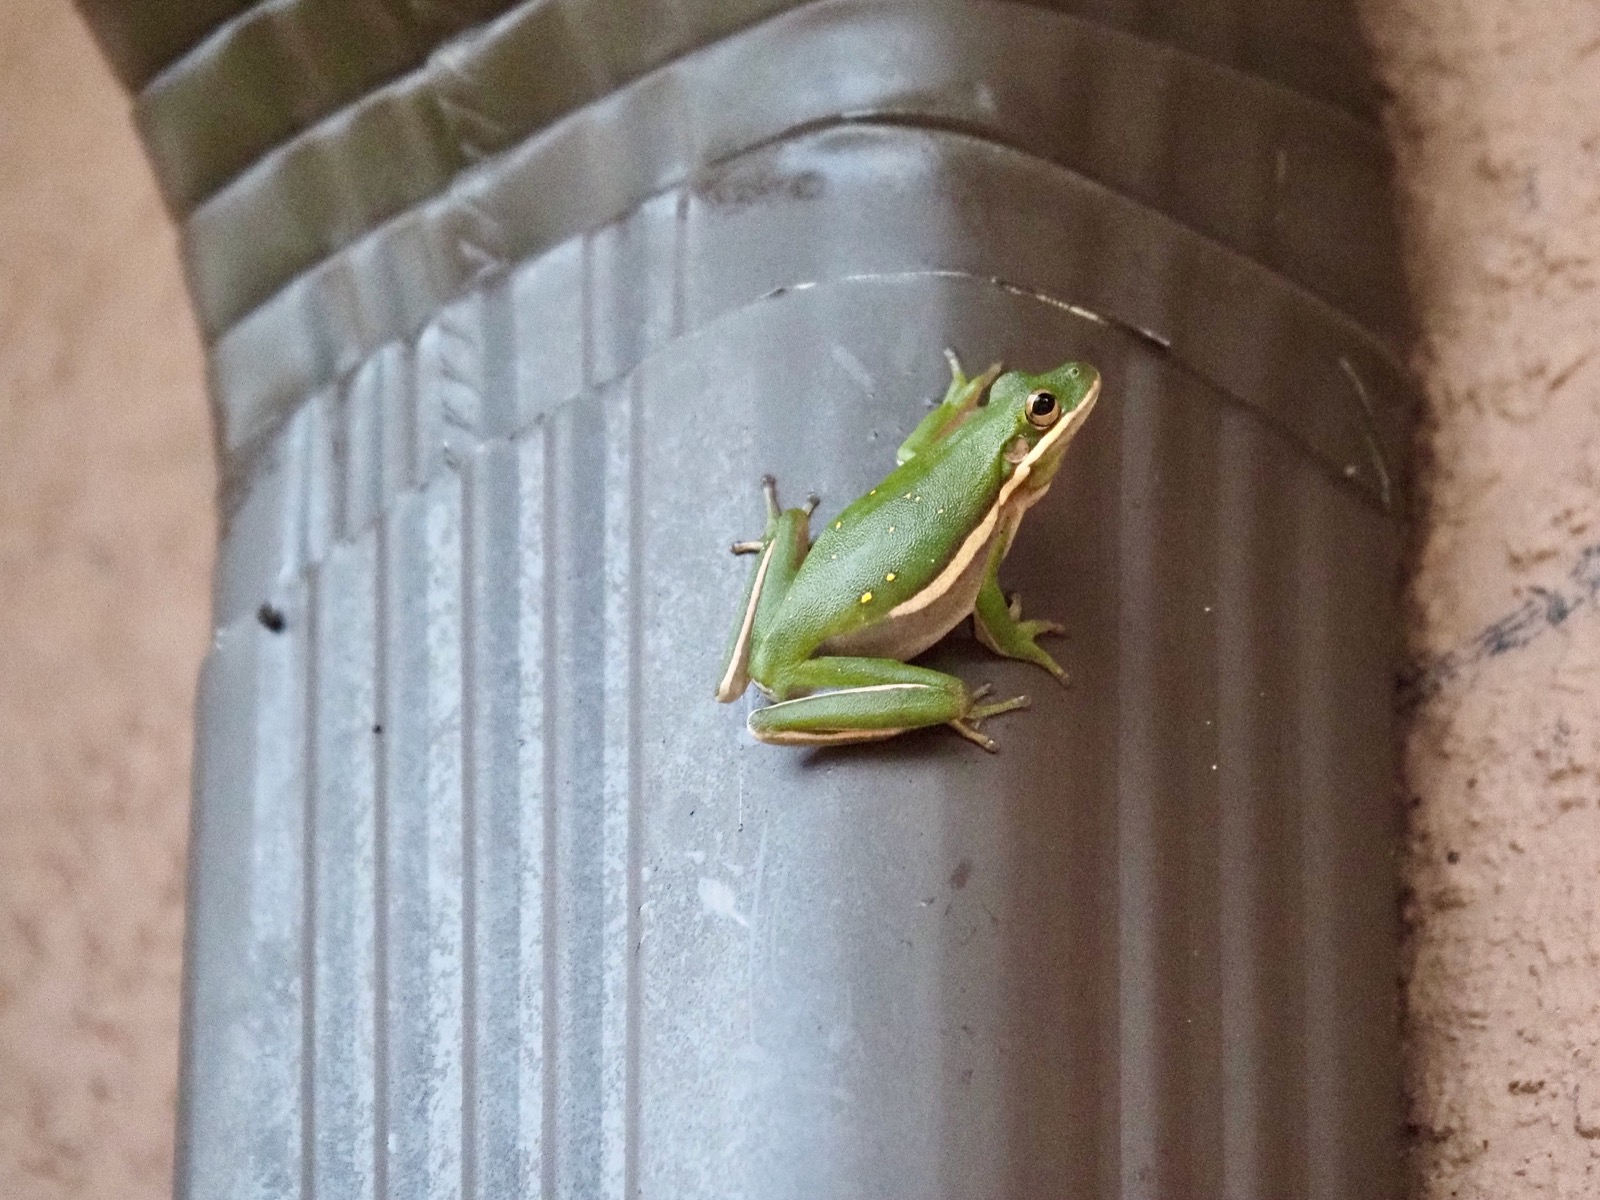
1042	408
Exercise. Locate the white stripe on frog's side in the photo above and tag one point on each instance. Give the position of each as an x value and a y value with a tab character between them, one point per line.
855	691
904	635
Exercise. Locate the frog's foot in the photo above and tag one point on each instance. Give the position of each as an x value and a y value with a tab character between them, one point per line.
967	726
960	400
959	382
769	489
1000	627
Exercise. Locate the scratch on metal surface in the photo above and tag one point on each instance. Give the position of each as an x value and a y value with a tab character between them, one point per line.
1369	424
467	670
310	635
1162	345
1159	340
754	945
680	260
383	795
544	641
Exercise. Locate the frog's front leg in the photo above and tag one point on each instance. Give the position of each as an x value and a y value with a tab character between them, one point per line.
1000	627
780	550
868	699
960	398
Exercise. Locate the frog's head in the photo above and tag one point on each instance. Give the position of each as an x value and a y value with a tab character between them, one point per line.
1044	413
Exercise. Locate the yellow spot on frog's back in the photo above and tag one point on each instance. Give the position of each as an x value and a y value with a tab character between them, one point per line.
866	597
889	578
891	529
838	524
873	492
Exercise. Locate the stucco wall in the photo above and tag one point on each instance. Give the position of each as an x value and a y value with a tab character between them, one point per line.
1495	122
106	532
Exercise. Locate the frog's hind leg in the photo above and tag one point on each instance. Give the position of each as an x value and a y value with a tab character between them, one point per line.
781	550
869	699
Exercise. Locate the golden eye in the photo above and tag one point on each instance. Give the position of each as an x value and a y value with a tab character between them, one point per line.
1043	409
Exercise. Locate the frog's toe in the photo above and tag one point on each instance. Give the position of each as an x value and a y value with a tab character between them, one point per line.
967	726
1033	630
1032	652
983	712
972	735
956	373
1044	660
1014	607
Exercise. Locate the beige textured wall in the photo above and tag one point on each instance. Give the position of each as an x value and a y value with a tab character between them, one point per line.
1496	122
106	529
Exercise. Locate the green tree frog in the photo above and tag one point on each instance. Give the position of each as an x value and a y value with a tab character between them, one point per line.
827	626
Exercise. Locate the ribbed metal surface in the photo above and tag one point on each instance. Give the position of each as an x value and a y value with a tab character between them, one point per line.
1141	953
587	311
490	898
221	82
390	185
